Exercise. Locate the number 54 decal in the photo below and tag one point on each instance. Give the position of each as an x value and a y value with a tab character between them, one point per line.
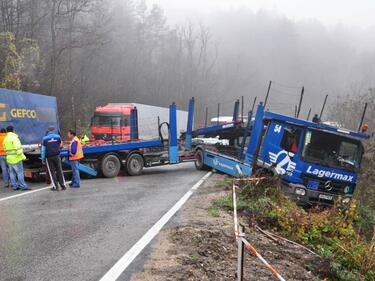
277	129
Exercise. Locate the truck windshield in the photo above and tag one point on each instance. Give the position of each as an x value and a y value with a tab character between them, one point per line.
332	150
106	121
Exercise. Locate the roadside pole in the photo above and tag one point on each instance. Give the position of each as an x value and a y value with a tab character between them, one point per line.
241	250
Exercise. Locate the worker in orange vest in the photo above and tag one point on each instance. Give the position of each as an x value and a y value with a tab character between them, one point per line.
75	154
3	160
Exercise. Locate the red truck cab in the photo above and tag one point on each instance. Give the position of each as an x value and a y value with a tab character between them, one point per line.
112	122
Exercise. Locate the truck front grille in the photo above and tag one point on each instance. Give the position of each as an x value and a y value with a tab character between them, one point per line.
335	187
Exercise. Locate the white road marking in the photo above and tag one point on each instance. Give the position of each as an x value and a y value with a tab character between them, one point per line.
137	248
26	193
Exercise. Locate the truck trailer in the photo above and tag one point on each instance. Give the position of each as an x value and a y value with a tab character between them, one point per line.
112	121
29	113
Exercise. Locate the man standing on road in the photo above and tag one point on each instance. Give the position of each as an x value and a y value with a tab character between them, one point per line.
3	160
15	156
75	154
51	157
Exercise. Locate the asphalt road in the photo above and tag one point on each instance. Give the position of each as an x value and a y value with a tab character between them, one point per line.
79	234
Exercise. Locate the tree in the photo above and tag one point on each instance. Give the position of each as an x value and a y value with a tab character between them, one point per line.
10	62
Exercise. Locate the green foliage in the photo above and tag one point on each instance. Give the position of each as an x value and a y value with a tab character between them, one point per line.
342	274
366	221
224	183
213	211
227	203
336	233
10	62
194	258
17	67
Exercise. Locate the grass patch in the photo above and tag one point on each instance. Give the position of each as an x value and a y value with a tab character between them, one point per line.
213	211
342	235
224	183
194	258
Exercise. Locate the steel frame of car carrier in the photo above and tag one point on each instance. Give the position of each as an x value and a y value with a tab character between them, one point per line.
108	159
242	164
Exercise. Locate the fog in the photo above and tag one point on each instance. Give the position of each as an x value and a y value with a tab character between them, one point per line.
326	46
92	52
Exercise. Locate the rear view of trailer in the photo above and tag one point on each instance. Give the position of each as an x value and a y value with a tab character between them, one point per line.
29	113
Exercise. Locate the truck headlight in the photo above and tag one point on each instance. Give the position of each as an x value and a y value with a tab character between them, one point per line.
346	200
300	191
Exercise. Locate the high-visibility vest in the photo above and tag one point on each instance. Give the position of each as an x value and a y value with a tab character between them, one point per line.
79	153
84	139
13	148
2	137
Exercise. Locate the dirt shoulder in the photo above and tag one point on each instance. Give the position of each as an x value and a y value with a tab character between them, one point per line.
203	247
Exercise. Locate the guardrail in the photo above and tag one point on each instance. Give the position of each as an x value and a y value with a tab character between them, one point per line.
239	232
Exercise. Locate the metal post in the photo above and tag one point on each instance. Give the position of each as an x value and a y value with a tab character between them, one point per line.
268	92
241	250
308	115
252	108
173	144
244	136
295	110
205	120
235	111
324	105
189	128
363	117
300	102
218	113
242	108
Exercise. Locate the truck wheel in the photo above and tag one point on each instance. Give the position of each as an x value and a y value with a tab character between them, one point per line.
110	166
199	160
134	165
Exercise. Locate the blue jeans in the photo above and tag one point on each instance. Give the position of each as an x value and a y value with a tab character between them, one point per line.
16	172
4	169
76	182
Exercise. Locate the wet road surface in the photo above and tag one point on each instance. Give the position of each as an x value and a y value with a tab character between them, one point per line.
79	234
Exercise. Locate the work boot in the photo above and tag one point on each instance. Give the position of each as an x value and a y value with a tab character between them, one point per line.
63	187
53	189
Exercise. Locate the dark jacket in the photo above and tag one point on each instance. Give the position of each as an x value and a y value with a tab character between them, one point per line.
51	145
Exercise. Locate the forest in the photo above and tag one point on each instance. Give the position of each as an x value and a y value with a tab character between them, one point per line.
92	52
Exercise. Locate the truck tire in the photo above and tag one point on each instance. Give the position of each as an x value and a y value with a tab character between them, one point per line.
134	164
199	160
110	166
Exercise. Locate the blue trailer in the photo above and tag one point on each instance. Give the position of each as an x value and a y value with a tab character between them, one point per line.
317	163
29	113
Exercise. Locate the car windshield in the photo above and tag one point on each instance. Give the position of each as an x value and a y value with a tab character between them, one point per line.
106	121
332	150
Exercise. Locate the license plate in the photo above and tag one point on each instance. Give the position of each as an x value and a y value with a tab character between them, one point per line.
28	174
313	185
326	197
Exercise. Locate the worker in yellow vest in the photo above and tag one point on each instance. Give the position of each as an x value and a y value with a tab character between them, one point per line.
84	138
15	156
75	154
3	158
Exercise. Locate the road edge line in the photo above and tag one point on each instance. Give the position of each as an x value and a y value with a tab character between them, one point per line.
26	193
122	264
